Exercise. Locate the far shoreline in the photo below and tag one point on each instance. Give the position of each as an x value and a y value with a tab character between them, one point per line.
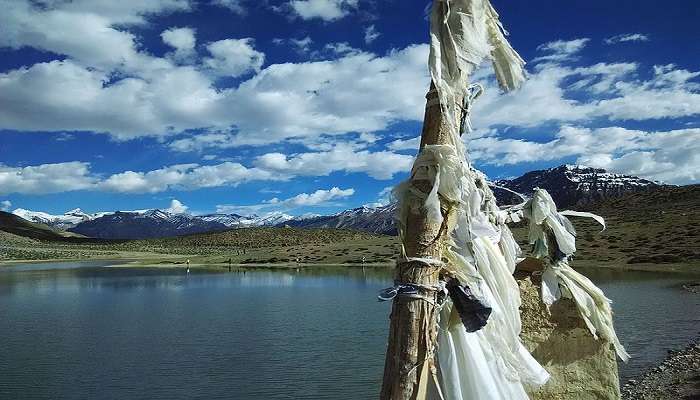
181	262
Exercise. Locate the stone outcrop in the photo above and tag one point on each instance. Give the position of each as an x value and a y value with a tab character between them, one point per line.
581	367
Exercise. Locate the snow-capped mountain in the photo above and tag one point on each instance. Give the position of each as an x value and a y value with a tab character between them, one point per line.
68	220
572	185
369	219
239	221
143	224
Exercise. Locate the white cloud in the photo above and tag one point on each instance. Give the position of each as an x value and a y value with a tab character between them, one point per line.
70	176
669	156
341	48
176	207
236	6
5	205
378	165
383	198
371	34
321	197
45	178
318	197
107	83
89	32
203	141
303	44
234	57
612	90
355	93
627	37
184	177
404	144
561	50
327	10
181	39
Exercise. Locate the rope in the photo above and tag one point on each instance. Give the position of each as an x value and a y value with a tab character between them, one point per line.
425	261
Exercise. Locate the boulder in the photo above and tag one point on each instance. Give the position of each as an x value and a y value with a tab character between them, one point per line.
580	366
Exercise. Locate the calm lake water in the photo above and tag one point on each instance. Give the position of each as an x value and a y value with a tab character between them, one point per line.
117	333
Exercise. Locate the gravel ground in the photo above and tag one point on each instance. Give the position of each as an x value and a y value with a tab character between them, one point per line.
676	378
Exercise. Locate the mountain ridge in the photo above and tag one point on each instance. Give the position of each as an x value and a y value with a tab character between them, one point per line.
571	186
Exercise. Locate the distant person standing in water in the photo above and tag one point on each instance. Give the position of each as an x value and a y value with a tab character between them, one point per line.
188	265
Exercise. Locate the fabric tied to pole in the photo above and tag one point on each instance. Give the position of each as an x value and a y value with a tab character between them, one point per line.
558	278
490	363
473	313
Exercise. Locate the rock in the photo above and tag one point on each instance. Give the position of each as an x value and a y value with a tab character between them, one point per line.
675	378
580	366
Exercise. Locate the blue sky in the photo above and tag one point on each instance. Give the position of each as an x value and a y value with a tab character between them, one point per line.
312	106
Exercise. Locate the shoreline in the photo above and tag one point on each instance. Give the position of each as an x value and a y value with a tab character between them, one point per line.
676	377
158	261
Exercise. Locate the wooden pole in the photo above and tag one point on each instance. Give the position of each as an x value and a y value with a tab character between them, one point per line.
413	326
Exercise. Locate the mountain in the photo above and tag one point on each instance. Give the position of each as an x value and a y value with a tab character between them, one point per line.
144	225
239	221
572	186
16	225
68	220
158	223
368	219
647	228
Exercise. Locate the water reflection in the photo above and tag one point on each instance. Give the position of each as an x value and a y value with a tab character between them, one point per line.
312	333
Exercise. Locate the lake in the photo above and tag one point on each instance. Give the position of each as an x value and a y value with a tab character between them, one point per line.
123	333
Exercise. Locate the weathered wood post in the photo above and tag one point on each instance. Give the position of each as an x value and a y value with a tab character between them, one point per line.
413	326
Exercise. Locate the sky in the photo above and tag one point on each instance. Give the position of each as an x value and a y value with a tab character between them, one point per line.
315	106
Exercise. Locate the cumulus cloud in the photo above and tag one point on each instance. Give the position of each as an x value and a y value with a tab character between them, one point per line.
321	197
105	82
236	6
176	207
669	156
71	176
204	141
383	198
327	10
404	144
627	37
234	57
316	198
181	39
612	92
45	178
371	34
5	205
183	177
341	48
561	50
357	92
310	99
302	45
89	32
378	165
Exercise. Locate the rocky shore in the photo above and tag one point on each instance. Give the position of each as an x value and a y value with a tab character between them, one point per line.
677	378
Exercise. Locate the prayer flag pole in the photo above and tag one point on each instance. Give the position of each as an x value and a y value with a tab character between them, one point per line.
409	365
